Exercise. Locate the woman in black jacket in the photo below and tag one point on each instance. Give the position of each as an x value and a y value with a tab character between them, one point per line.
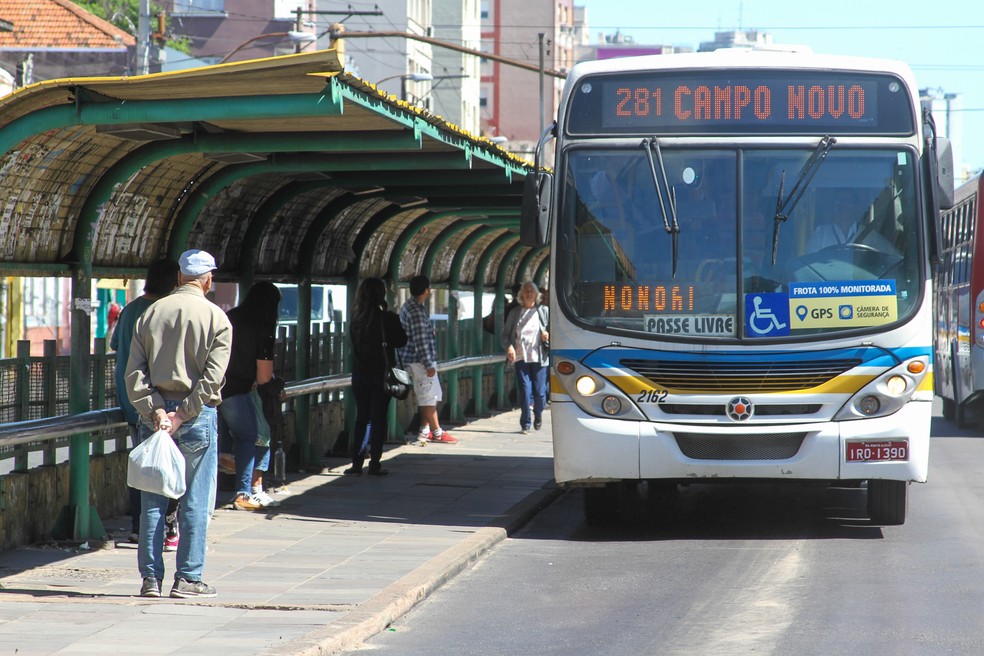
370	318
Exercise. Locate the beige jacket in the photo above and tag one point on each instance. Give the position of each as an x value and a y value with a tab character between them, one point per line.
179	352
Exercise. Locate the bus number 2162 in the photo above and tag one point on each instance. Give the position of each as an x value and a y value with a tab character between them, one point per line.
652	396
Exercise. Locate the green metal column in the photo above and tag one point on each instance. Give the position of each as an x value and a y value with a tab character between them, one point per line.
79	520
302	368
454	283
349	400
478	397
500	310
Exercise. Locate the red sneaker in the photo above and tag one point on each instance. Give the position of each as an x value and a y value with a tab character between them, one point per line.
171	540
444	438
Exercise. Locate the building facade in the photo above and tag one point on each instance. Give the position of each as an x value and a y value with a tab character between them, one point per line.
511	100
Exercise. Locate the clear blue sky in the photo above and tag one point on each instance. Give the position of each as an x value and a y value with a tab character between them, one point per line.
942	40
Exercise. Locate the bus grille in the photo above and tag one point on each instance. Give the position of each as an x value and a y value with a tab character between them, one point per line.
714	446
739	377
720	409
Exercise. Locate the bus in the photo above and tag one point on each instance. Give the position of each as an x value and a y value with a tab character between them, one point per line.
322	304
959	289
741	246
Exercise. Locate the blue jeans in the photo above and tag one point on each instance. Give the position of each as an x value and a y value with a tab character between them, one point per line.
197	440
261	458
237	426
531	387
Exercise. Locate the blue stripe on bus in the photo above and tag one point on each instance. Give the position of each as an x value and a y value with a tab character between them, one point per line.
611	357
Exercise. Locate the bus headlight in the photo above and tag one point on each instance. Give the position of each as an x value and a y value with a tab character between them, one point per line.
586	385
895	385
869	405
611	405
885	394
593	393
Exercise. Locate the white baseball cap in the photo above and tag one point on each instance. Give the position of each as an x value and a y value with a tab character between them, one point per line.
196	263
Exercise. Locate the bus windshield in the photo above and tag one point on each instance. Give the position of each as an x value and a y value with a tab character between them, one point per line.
748	264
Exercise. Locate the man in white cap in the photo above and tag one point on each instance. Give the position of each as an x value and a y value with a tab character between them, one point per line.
178	358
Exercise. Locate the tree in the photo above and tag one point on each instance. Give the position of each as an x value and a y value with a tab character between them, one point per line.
125	14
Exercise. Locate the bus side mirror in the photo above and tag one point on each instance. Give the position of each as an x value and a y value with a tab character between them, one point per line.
535	214
944	173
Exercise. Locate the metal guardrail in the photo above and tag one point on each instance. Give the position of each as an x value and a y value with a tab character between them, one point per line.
49	428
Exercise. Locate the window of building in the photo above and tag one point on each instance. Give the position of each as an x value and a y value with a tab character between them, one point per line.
198	6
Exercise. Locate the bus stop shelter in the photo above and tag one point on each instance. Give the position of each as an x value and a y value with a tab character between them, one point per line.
286	169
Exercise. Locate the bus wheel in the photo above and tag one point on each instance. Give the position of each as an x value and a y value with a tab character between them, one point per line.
601	505
888	502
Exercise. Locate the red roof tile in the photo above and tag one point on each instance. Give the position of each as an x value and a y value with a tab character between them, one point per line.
57	24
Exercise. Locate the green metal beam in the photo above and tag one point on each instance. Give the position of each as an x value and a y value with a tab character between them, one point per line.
525	264
410	118
541	270
454	277
478	400
365	233
180	110
309	242
421	222
246	266
450	231
136	160
440	193
413	178
500	311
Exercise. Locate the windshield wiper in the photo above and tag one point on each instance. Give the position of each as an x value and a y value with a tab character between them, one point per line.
785	206
670	222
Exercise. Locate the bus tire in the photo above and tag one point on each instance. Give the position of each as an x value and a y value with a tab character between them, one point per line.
601	505
888	502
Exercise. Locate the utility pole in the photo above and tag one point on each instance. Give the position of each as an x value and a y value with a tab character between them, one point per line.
143	38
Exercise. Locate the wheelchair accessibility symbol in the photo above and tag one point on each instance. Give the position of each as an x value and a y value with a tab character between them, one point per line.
766	315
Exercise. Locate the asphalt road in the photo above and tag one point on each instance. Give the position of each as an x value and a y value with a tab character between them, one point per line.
730	569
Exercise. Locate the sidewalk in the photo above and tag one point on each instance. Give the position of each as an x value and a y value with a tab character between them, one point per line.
335	563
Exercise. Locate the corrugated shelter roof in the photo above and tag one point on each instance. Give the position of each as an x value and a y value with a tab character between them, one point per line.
57	24
285	168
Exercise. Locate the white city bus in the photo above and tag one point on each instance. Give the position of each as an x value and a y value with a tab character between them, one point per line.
741	248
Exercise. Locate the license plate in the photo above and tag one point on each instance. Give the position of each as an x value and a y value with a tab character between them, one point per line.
877	451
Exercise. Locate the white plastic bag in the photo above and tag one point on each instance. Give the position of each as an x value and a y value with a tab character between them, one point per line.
157	465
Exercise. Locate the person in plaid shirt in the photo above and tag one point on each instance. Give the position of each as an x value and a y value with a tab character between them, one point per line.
420	358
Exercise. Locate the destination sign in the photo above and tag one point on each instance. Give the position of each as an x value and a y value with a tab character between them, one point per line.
617	299
743	101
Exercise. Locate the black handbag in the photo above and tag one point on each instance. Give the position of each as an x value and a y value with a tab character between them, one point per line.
396	381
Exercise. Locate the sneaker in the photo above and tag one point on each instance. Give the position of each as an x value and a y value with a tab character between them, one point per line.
443	438
171	540
264	499
184	589
422	439
134	538
151	587
227	463
353	471
377	471
245	502
524	431
537	424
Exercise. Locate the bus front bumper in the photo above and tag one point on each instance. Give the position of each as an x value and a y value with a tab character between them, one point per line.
590	450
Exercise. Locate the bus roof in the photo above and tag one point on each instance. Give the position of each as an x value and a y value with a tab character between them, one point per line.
744	58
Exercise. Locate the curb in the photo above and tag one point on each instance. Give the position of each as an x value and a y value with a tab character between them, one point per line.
391	603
